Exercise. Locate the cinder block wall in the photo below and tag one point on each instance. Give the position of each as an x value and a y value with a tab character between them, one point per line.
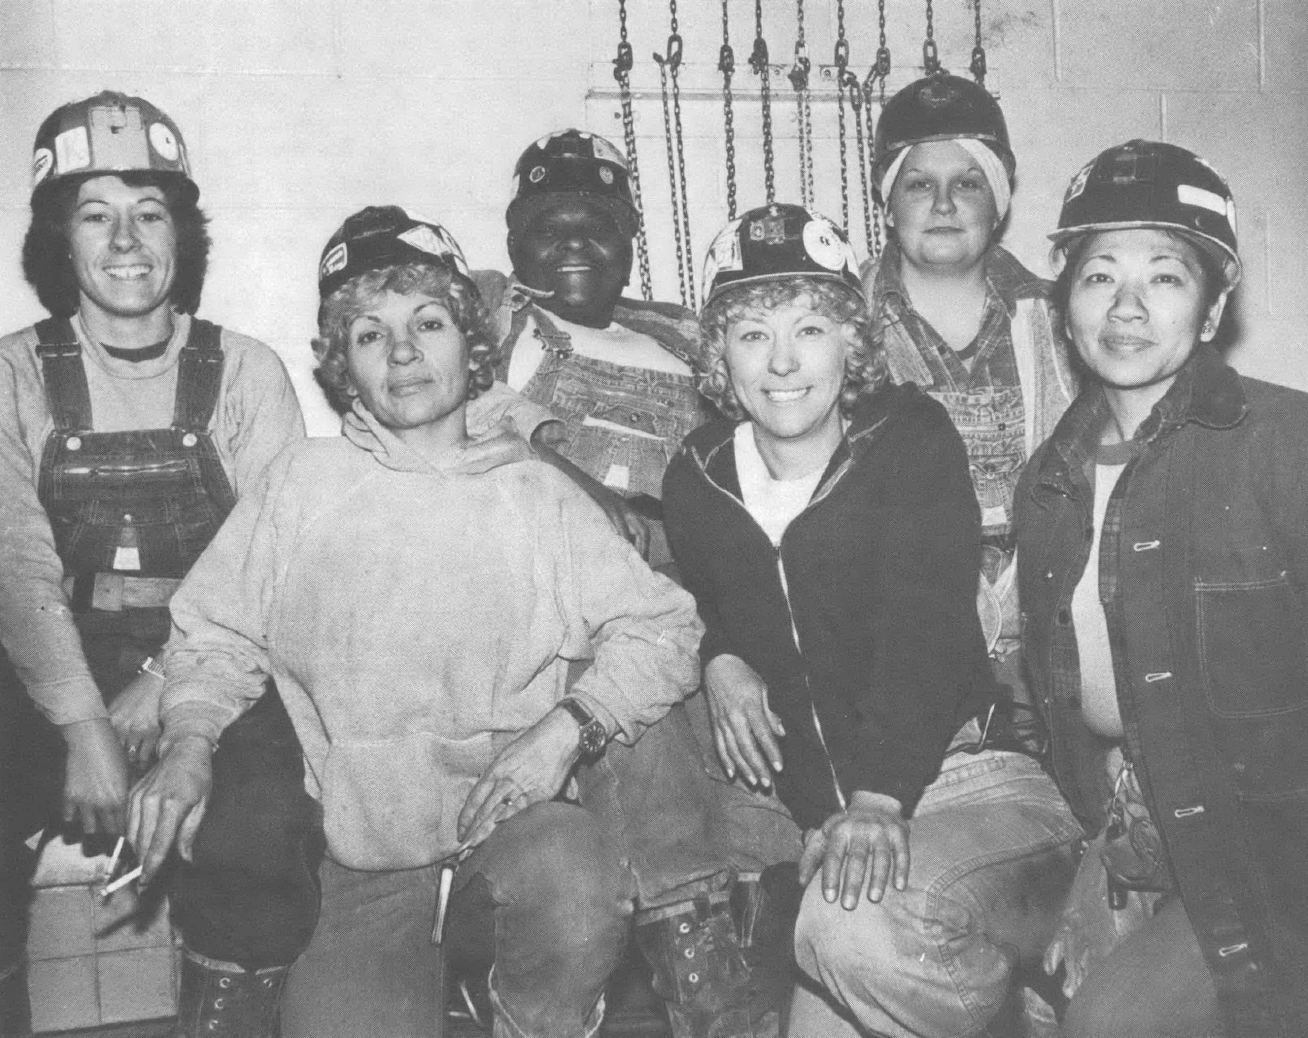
297	112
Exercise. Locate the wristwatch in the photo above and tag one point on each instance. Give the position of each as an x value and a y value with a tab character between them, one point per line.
594	736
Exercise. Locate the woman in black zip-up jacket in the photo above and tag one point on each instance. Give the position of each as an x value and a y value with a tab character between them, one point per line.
830	537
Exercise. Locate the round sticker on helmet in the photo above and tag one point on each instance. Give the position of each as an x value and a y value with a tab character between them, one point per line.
165	142
537	174
606	174
42	163
823	245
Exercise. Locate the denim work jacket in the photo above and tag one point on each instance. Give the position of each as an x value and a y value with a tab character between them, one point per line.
1207	585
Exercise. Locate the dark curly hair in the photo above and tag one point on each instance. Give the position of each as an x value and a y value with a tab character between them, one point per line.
458	294
865	367
48	264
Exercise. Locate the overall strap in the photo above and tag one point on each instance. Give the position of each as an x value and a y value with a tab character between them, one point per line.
66	393
517	325
554	339
199	377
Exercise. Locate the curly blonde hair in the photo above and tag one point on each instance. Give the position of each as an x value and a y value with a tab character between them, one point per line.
865	367
457	293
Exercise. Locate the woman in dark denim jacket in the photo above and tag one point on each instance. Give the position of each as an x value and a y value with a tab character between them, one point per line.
1163	571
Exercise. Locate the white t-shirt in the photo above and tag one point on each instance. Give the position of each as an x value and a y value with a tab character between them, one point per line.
614	344
772	502
1098	683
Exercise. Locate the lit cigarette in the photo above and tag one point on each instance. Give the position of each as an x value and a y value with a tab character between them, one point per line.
113	858
442	903
121	881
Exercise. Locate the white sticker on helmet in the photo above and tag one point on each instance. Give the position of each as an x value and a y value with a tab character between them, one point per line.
723	255
1188	194
606	174
537	174
72	150
42	163
1078	183
823	245
435	241
606	151
334	261
165	142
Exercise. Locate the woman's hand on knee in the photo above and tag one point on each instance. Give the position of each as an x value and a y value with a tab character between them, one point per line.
745	730
529	770
167	806
864	846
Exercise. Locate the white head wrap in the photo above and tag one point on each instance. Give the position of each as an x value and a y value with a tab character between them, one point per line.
991	165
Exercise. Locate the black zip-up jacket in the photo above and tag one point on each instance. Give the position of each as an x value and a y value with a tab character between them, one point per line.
869	644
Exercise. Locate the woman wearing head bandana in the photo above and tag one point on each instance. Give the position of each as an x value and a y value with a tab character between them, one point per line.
961	317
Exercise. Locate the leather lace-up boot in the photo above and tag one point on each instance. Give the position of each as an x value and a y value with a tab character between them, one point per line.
698	968
222	1000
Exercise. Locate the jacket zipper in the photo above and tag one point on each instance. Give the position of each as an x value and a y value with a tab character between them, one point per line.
790	613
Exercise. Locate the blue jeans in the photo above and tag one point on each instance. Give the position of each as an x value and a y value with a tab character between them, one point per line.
544	899
991	861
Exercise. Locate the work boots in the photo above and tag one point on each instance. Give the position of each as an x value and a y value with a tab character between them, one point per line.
222	1000
698	967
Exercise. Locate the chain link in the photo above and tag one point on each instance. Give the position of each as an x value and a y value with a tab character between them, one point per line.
727	66
881	72
930	57
758	61
841	59
856	101
978	66
622	65
668	68
799	79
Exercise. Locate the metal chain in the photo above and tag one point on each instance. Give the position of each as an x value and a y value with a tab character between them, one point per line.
978	66
874	242
799	79
930	58
676	160
758	61
856	101
841	59
879	73
622	66
727	66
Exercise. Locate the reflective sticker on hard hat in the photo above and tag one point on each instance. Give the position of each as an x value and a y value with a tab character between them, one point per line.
1230	214
537	174
42	163
606	151
73	149
606	174
1078	183
618	477
723	254
1188	194
823	245
334	261
435	241
165	142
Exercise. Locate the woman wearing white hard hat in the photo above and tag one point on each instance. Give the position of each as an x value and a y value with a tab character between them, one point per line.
1163	535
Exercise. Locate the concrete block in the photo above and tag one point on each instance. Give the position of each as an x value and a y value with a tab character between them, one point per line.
140	984
59	923
124	921
250	36
63	994
135	34
28	38
1285	32
1287	262
1257	141
1163	44
1275	351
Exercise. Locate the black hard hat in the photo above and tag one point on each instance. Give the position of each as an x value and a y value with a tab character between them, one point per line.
939	108
571	162
109	133
383	236
778	241
1152	184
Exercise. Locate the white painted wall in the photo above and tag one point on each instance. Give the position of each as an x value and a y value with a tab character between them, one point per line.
297	112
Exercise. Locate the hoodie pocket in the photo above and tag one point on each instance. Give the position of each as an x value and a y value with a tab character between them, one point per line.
394	803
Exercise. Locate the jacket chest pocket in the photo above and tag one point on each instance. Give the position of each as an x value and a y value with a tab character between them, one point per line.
1251	643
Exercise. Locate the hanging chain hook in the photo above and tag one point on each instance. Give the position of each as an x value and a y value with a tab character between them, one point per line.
668	70
622	66
758	61
930	57
978	66
799	79
727	66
